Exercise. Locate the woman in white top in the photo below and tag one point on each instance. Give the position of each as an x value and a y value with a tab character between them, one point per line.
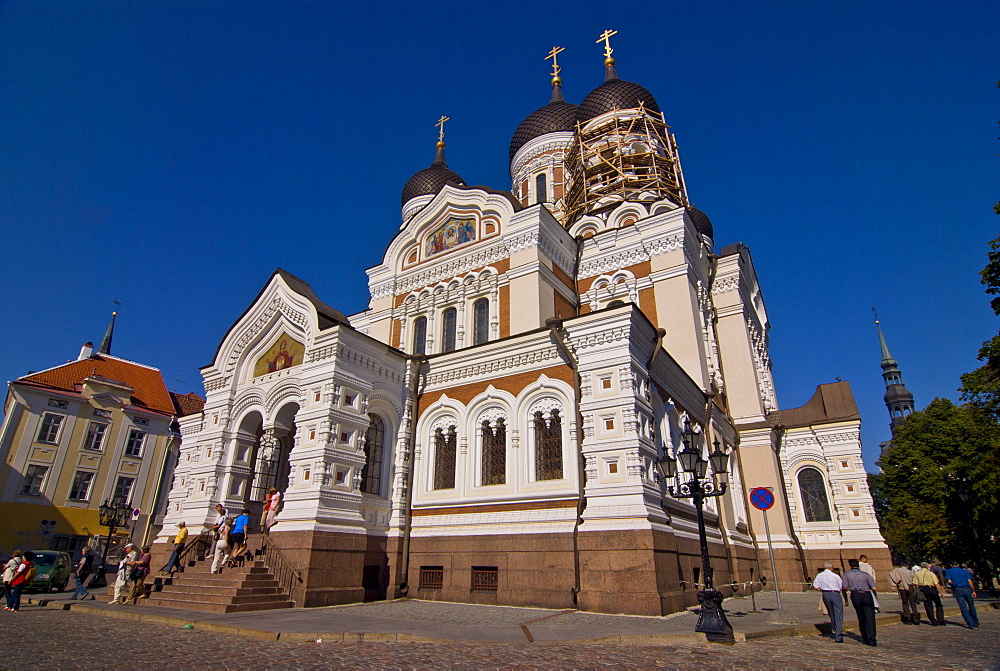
222	548
272	512
124	566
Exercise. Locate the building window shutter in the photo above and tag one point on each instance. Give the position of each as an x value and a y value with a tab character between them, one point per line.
494	470
548	446
371	473
813	491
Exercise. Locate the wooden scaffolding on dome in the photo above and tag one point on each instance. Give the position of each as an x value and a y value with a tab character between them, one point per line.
631	155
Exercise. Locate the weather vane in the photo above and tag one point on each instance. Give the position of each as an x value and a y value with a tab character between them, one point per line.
555	65
876	314
606	38
440	125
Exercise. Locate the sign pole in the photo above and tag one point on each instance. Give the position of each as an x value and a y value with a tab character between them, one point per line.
762	498
770	551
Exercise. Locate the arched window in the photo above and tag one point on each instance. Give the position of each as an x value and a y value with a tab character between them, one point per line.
449	322
480	321
444	458
548	446
420	335
371	474
494	470
541	194
813	492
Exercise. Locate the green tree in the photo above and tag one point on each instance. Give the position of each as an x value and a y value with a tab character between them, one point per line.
938	457
981	387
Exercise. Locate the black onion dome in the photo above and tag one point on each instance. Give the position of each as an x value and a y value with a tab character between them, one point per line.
701	222
555	117
615	94
430	181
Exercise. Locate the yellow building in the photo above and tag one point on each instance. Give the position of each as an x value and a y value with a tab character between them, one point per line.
81	433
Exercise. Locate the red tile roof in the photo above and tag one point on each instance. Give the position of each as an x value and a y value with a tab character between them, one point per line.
188	404
148	389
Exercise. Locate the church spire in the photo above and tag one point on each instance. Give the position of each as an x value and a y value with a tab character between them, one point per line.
105	347
557	94
898	398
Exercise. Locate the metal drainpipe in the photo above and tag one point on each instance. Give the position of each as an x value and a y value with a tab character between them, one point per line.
171	439
418	361
555	326
779	430
714	259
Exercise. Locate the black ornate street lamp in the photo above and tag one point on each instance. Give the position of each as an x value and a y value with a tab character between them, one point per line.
114	515
691	481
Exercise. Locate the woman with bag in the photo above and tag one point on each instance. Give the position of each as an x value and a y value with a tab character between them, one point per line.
8	573
272	511
222	545
23	575
137	574
124	567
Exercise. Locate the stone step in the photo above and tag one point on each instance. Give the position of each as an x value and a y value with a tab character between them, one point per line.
202	606
178	599
236	589
212	583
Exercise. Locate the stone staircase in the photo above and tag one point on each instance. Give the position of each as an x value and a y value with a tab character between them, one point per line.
248	587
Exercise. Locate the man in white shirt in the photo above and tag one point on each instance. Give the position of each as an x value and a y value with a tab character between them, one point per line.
867	568
831	585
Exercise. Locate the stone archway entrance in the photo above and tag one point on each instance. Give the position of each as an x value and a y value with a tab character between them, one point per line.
271	465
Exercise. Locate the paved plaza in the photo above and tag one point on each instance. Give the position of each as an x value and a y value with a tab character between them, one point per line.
91	635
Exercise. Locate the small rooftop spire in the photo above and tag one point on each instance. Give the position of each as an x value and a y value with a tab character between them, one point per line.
105	347
609	63
557	95
886	354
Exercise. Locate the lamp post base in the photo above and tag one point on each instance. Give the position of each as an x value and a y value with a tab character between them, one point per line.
712	620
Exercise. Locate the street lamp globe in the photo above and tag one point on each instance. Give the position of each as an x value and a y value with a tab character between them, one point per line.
719	459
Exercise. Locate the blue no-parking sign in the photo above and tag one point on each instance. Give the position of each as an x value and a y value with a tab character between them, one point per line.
761	498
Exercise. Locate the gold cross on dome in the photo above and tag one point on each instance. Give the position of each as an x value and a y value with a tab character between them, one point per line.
555	65
440	125
606	38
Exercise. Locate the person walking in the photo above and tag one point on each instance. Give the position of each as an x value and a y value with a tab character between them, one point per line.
124	566
137	574
831	585
222	545
238	536
867	568
8	573
81	573
938	572
268	498
964	589
174	563
927	582
272	511
23	575
901	580
862	588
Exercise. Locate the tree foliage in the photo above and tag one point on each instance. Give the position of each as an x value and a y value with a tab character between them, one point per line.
937	455
981	387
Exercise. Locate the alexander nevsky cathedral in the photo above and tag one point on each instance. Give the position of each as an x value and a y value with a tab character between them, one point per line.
488	429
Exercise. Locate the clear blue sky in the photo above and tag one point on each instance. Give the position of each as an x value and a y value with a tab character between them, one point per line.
171	155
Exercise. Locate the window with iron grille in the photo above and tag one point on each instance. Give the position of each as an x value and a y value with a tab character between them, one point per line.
420	335
371	474
494	452
548	446
814	501
444	459
480	321
449	323
80	491
485	578
49	431
133	446
95	436
431	577
33	479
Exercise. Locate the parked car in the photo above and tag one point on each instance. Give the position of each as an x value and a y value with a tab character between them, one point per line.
53	570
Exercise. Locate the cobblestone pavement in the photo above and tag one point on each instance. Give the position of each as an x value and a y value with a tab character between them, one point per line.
46	638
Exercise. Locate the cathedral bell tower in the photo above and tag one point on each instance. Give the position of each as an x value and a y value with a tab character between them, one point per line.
898	398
